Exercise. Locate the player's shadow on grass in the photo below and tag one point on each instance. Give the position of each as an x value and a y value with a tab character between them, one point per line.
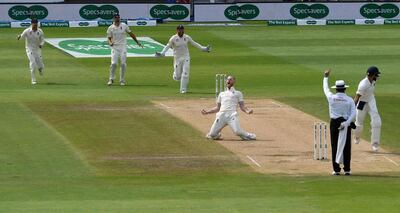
59	84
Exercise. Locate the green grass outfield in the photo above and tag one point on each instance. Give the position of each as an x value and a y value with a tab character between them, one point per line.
72	144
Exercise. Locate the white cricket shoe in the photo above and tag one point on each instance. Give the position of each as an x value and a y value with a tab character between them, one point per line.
357	140
122	83
183	91
110	82
218	137
375	147
347	173
250	137
335	173
34	82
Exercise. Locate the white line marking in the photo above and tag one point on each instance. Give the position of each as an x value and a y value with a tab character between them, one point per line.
252	160
165	106
391	161
167	157
276	104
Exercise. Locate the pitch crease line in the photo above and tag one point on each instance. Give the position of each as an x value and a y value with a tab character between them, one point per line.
391	161
254	161
165	106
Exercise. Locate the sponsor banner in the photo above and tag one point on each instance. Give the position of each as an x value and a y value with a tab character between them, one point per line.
143	23
5	24
99	48
177	12
340	22
282	22
370	21
392	21
290	11
83	24
302	22
91	12
54	24
20	24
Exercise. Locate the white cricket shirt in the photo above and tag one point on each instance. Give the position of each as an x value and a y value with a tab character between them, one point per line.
229	100
118	34
340	105
33	38
366	90
180	45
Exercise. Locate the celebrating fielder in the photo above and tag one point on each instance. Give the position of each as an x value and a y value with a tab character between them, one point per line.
365	101
227	103
34	41
117	41
179	43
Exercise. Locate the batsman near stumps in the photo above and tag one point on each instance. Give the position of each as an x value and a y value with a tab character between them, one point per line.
227	102
179	42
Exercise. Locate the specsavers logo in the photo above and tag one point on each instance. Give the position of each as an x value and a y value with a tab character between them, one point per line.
176	12
94	47
90	12
246	11
302	11
374	11
21	12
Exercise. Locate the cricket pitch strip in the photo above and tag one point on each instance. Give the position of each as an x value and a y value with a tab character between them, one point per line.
284	142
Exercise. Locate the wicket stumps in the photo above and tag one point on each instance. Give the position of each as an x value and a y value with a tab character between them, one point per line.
220	84
320	141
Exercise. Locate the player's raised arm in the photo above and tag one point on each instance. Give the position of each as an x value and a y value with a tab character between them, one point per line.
199	46
166	48
325	83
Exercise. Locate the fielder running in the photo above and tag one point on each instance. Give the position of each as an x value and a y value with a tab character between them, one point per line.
227	103
365	101
342	112
179	42
34	41
117	41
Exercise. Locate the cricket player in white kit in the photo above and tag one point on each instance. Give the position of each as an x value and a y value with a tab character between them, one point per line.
34	41
116	34
227	103
365	102
179	42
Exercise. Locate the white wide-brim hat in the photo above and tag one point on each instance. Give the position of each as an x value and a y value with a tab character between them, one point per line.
339	84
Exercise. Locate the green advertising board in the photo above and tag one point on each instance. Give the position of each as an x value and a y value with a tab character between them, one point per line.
98	47
175	12
21	12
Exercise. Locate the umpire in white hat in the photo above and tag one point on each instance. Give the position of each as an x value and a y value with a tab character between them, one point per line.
342	112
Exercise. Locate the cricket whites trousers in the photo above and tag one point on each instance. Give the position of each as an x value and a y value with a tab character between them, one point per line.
182	71
118	52
227	118
372	110
35	61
